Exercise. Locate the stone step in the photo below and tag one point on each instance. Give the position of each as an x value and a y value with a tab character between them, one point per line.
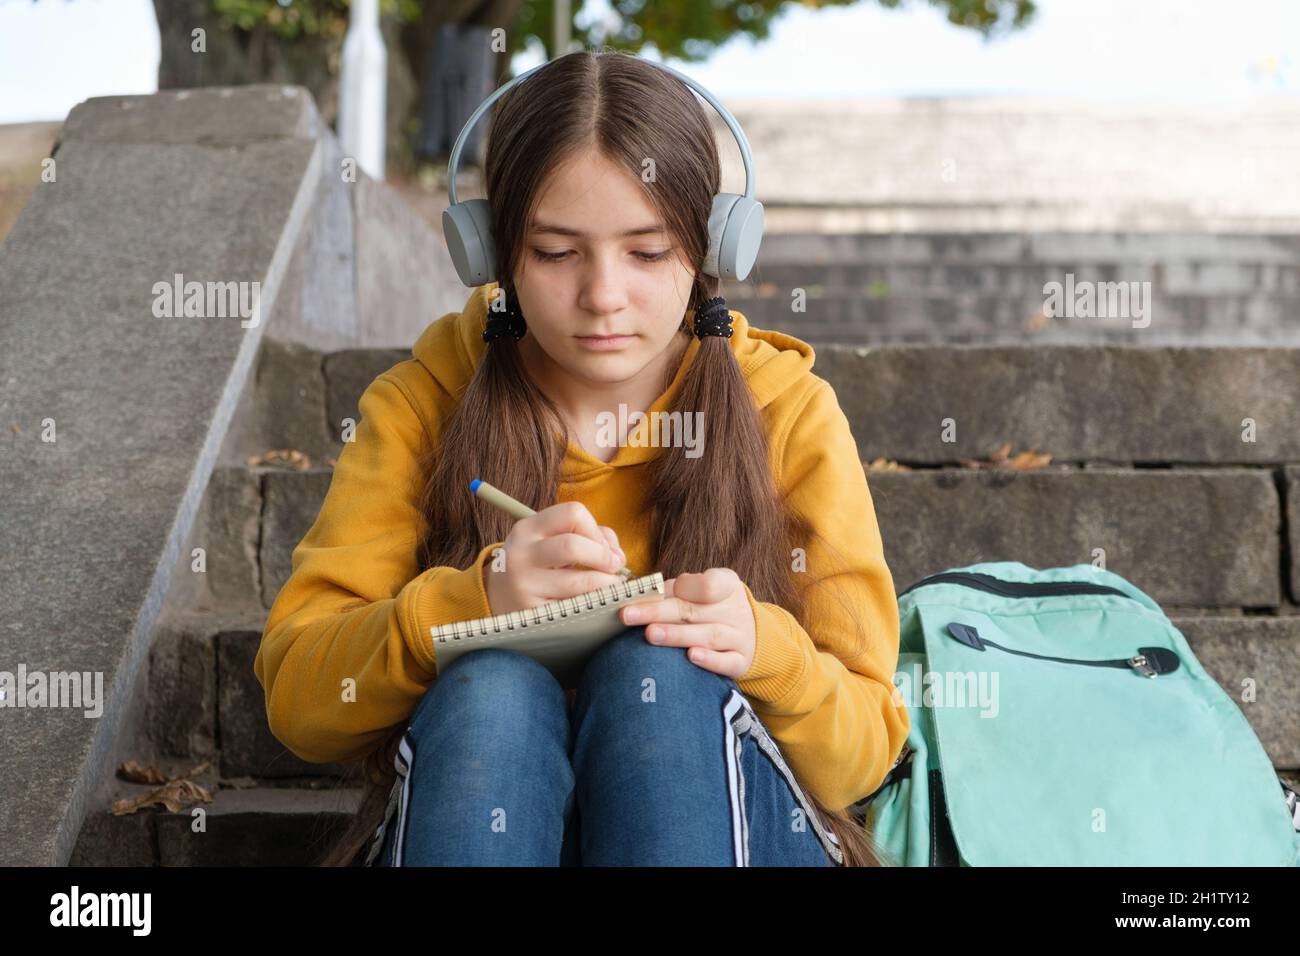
991	278
1197	537
1251	657
976	287
258	826
1079	402
954	316
205	702
1180	257
1092	407
927	405
868	278
1240	651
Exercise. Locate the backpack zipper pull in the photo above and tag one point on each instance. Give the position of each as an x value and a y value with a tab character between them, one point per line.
1142	666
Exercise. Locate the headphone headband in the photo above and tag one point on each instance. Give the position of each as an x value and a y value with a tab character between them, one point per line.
453	163
735	220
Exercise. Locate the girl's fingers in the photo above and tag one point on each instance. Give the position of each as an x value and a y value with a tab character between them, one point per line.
707	587
612	538
670	610
569	550
564	583
708	636
727	663
570	517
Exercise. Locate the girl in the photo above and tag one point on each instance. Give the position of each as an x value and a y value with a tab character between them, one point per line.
735	720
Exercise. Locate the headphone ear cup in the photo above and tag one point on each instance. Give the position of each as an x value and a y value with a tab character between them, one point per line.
465	227
735	233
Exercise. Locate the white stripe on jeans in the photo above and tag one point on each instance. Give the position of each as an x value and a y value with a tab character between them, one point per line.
736	779
748	722
405	757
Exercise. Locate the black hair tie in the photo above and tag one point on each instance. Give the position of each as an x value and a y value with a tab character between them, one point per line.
713	318
507	321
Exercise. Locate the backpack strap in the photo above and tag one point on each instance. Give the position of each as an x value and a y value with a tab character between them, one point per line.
1292	803
901	770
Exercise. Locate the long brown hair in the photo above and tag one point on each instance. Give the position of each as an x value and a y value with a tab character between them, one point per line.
629	110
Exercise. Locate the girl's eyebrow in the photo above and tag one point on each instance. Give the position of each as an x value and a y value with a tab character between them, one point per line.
547	227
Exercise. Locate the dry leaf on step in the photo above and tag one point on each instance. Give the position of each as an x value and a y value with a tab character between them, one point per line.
1028	460
886	464
290	458
137	772
1023	461
173	794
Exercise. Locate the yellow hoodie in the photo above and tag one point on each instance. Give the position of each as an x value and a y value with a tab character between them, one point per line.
356	607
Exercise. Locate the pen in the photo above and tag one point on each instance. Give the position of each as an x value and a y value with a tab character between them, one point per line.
495	496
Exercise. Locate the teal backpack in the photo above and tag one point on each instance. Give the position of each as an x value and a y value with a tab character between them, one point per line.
1058	718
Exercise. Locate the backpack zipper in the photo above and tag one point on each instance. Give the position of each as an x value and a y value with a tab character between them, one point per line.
987	582
1149	661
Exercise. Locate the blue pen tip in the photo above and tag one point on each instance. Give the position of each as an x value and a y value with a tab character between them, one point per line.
473	485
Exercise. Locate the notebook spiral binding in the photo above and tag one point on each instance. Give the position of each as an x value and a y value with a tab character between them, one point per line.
564	607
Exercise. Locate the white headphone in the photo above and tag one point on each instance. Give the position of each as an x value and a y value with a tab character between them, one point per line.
735	223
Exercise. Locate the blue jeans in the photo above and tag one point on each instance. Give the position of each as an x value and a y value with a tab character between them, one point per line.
660	763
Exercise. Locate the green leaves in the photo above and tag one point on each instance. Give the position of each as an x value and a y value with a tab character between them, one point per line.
290	19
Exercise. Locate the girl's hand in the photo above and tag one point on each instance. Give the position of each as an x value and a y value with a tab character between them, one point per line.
557	553
706	613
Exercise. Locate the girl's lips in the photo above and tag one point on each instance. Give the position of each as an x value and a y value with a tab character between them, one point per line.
604	343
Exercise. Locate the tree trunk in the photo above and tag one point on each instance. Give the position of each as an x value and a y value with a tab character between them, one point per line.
237	58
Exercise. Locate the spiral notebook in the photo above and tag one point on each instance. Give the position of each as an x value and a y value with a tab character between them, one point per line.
561	635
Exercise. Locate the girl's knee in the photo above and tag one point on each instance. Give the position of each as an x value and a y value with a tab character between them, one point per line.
491	680
629	659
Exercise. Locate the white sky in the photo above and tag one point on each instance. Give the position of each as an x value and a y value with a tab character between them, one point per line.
54	53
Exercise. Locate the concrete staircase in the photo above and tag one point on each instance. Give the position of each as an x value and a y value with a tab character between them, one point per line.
1207	524
950	287
120	406
156	419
